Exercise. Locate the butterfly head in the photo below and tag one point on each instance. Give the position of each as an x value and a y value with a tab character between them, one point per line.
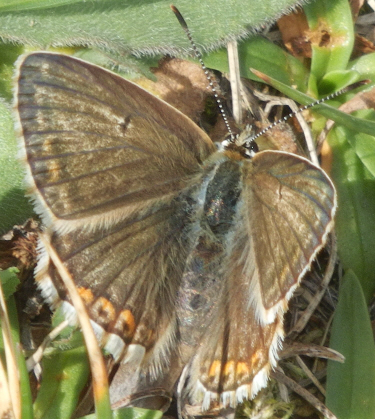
242	143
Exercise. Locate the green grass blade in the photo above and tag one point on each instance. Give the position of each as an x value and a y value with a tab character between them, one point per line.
351	386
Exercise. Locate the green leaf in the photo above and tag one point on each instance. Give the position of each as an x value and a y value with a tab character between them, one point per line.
336	80
14	206
332	35
353	175
9	281
351	386
26	397
123	26
131	413
70	340
64	376
365	66
364	145
8	55
14	5
257	52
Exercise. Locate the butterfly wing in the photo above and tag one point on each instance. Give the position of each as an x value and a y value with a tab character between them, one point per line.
96	142
106	162
283	217
296	202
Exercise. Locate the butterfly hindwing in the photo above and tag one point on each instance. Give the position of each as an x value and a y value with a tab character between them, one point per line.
295	201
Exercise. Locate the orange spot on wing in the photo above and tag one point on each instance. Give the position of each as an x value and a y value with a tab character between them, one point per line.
215	369
106	307
257	359
229	368
242	369
86	295
126	318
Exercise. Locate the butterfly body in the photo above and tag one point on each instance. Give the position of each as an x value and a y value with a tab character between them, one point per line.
177	249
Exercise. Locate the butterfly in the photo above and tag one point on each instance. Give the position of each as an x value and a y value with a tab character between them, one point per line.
179	249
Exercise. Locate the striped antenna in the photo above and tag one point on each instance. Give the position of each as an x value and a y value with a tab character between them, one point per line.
303	108
199	57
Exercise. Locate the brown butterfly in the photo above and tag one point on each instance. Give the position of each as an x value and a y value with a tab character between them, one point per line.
179	250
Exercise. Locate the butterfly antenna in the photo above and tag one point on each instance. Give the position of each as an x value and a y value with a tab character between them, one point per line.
303	108
199	57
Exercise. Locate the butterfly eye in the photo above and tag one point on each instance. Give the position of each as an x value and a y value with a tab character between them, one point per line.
251	148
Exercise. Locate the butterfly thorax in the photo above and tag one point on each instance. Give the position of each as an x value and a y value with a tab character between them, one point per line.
222	196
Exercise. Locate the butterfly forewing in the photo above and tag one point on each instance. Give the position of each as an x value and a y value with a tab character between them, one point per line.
96	143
